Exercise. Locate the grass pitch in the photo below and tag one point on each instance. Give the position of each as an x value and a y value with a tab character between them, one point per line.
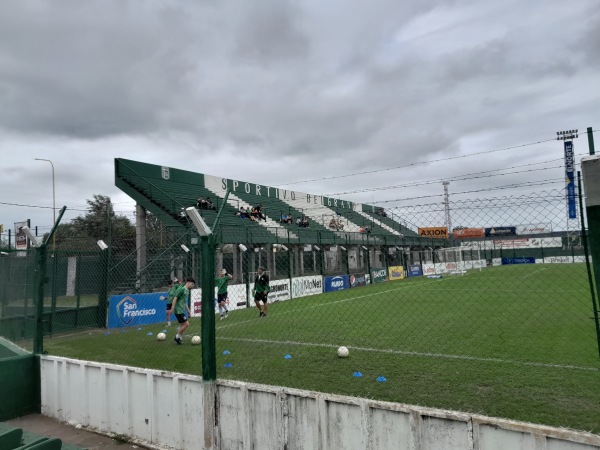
512	341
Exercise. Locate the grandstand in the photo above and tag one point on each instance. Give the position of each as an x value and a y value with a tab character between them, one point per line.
166	192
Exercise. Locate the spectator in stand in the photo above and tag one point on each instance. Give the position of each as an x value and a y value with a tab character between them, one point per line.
289	219
333	224
283	218
368	230
242	213
201	203
299	221
259	213
210	204
304	223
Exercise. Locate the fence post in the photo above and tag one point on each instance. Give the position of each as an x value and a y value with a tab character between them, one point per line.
591	171
38	298
103	291
209	352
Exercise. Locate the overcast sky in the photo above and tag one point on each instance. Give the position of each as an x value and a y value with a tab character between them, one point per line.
275	91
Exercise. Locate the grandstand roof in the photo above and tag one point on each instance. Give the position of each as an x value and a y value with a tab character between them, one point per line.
166	191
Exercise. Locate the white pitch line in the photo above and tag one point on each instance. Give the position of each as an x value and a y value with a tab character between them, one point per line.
533	273
418	354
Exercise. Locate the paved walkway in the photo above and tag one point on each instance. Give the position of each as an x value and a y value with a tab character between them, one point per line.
45	426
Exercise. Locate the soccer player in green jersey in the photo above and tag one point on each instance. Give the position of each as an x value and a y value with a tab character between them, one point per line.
261	291
221	283
181	309
173	285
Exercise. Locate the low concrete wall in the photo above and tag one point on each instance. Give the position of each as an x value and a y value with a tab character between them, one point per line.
165	409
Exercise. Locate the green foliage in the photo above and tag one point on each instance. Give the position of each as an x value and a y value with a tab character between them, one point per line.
99	222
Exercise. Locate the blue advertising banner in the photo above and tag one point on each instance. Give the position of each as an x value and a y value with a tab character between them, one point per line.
336	283
500	231
132	310
570	177
415	270
523	260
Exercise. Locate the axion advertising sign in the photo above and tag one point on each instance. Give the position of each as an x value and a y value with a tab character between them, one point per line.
434	232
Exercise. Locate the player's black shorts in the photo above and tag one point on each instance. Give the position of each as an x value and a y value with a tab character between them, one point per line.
169	306
261	297
181	318
222	297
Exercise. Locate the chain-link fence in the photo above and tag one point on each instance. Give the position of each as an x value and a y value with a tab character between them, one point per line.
492	312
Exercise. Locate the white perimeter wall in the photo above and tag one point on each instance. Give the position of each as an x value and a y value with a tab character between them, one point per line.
165	410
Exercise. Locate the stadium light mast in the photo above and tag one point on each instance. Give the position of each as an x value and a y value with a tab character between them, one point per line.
573	228
447	219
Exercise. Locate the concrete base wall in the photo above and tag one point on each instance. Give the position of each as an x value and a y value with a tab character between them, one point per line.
166	410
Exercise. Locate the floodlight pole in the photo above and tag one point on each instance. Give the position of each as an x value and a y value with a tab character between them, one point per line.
53	200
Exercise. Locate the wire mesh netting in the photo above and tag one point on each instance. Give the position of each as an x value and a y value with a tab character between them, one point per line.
493	312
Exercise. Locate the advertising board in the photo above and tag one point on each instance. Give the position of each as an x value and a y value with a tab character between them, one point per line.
336	283
358	279
132	310
395	273
378	275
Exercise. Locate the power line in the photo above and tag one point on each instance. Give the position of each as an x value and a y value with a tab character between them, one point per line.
450	158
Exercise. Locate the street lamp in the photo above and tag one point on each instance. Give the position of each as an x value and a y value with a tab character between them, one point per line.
53	201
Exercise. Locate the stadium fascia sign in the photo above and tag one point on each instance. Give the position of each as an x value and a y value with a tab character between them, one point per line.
336	283
284	194
358	279
434	232
500	231
462	233
396	273
136	309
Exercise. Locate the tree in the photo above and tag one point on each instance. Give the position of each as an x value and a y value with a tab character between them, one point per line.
99	222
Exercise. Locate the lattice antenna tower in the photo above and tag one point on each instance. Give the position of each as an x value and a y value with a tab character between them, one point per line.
447	219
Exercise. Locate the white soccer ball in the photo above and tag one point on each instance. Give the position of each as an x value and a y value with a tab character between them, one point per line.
196	340
161	336
343	352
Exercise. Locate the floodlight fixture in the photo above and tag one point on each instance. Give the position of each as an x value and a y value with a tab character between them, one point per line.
32	237
316	247
567	134
342	247
184	248
365	247
284	247
198	221
3	254
102	244
242	247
